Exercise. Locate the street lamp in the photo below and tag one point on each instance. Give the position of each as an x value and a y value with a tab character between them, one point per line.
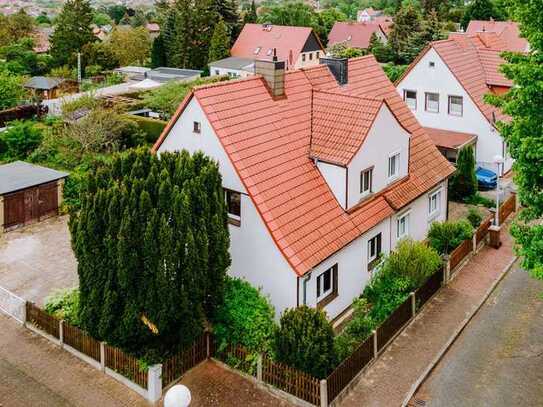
498	159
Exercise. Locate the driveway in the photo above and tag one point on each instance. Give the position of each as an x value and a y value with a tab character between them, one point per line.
36	373
497	360
38	259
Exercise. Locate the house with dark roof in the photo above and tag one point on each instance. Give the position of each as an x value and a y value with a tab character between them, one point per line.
445	88
324	169
507	32
298	47
355	34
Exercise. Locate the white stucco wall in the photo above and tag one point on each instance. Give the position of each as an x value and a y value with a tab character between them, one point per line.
308	62
384	138
335	177
440	80
255	256
353	273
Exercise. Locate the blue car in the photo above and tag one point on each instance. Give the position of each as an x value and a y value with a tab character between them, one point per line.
486	179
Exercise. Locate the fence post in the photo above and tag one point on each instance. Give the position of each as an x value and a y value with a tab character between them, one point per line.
208	349
474	240
61	332
154	383
103	356
413	304
446	269
375	351
324	393
259	367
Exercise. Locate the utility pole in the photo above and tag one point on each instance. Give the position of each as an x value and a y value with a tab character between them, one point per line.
79	67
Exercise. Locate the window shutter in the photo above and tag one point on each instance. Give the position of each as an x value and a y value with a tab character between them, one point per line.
378	244
334	271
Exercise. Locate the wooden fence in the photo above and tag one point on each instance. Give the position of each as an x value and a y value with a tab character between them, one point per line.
237	357
460	253
507	208
126	365
482	230
349	368
42	320
81	341
394	323
177	365
429	288
290	380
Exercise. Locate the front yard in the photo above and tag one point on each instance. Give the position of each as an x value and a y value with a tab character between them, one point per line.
38	259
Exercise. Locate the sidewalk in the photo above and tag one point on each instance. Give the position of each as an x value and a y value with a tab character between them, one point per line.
390	379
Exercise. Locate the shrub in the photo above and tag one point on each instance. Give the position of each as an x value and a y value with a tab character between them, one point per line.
463	183
151	127
64	304
446	236
474	216
478	199
245	317
20	139
305	341
412	260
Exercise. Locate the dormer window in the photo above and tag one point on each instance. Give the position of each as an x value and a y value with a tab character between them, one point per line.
270	51
394	165
349	38
257	50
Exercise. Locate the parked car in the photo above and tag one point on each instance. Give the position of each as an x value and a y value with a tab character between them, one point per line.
486	179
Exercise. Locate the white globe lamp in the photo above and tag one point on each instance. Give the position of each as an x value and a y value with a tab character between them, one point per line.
177	396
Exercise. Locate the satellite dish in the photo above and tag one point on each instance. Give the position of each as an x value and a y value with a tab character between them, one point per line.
177	396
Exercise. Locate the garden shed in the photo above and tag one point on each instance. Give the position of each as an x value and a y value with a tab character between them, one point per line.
28	193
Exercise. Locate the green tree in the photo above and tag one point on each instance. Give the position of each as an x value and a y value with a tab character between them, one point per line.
342	50
220	43
20	58
15	27
326	20
11	88
20	139
101	19
99	54
479	10
407	25
305	341
158	52
446	236
72	31
116	12
250	15
524	133
130	45
431	31
463	183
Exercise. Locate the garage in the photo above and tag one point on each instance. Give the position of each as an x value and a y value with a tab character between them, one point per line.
28	194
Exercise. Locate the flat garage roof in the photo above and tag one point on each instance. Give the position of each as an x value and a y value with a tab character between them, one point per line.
20	175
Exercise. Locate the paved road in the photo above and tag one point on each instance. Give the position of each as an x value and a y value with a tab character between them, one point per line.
35	373
497	360
38	259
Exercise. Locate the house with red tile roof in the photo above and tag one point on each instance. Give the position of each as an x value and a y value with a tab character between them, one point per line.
298	47
324	169
445	88
507	31
355	34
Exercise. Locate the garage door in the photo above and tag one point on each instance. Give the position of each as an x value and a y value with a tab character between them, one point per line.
48	200
14	209
30	205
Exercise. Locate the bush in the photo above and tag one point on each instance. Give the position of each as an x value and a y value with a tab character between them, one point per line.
151	127
245	318
64	304
474	216
305	341
446	236
463	183
20	139
478	199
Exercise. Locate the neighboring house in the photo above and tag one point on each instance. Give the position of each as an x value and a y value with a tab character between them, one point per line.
44	87
507	32
41	37
153	29
355	35
445	87
368	14
324	170
234	67
299	47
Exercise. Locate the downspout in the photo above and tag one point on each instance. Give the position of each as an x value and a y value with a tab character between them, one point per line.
304	285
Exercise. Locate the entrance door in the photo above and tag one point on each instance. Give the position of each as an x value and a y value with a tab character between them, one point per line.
31	205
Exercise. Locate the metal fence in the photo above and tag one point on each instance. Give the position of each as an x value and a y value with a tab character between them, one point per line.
12	305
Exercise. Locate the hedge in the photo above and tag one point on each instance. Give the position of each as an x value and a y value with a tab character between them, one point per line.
152	127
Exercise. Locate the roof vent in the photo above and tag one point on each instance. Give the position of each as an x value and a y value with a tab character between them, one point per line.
339	68
267	26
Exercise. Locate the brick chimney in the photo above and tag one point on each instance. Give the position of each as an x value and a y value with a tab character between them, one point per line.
274	74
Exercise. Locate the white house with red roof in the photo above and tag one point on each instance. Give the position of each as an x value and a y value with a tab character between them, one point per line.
445	88
355	34
507	31
324	170
299	47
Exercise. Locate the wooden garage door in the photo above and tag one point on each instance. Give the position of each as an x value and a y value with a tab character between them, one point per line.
14	209
48	200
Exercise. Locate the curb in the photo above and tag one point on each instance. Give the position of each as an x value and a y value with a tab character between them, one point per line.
456	334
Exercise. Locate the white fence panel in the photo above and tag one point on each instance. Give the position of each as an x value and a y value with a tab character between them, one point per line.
12	305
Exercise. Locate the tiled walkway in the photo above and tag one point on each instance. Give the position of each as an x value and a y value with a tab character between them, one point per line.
390	379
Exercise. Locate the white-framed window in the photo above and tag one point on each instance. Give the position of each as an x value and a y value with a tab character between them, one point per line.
410	98
327	283
402	225
456	105
270	51
374	247
318	54
366	180
197	127
431	102
311	56
434	202
394	165
217	72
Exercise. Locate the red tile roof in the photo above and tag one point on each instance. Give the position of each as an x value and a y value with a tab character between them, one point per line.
356	35
449	139
507	31
289	42
268	142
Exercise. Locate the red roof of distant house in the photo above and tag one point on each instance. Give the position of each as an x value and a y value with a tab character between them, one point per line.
268	142
356	35
474	65
257	41
449	139
152	27
507	31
